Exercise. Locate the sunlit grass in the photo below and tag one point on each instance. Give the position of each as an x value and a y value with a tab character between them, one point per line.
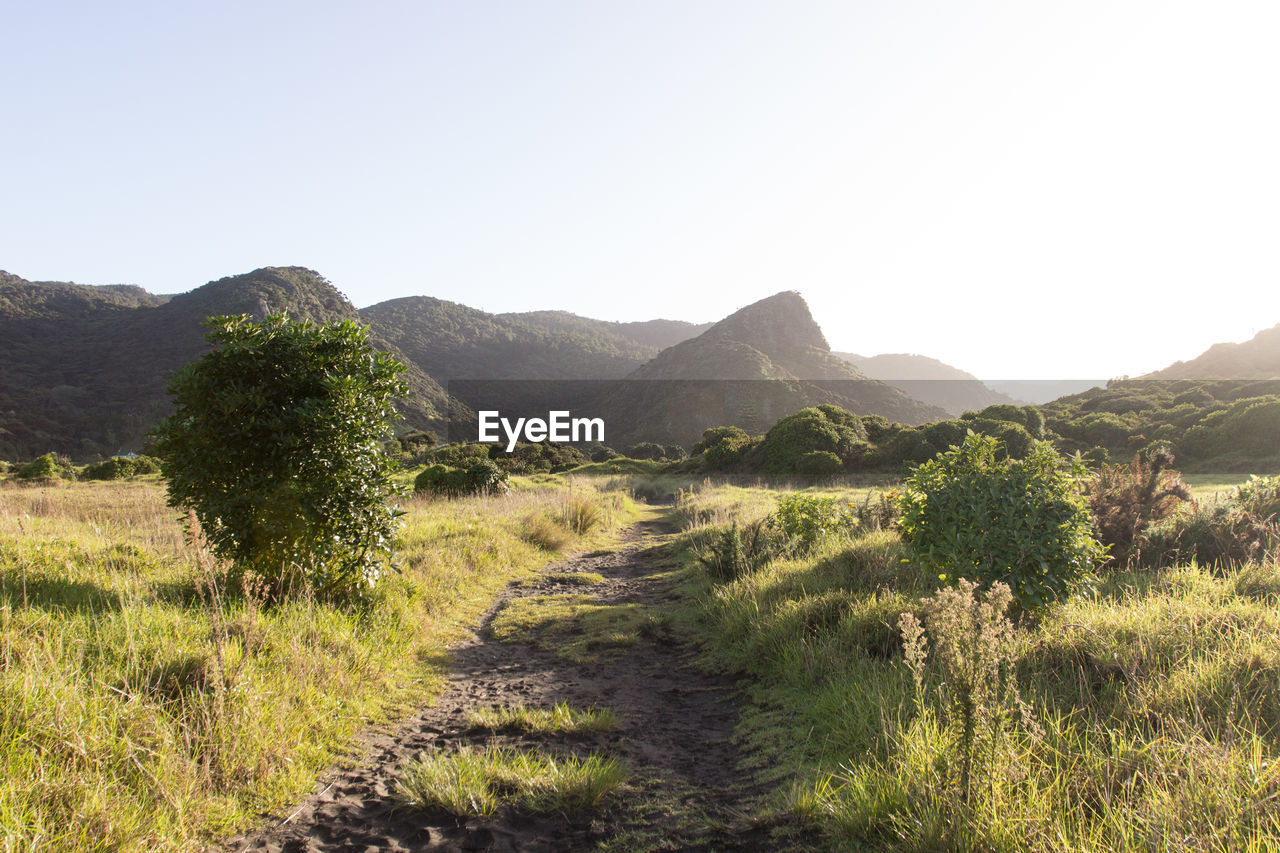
134	715
561	718
473	782
1157	700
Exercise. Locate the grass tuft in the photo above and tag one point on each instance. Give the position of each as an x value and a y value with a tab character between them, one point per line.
473	782
559	719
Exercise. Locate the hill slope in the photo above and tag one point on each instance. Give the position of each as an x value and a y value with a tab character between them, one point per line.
451	341
929	380
1256	358
84	368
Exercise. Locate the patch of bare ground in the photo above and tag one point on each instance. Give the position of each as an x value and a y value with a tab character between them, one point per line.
673	729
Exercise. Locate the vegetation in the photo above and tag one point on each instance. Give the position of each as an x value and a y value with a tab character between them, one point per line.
558	719
1126	499
277	447
1210	424
1146	716
85	367
1020	522
472	782
120	468
50	466
480	478
151	704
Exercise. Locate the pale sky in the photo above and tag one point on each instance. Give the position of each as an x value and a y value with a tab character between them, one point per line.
1022	189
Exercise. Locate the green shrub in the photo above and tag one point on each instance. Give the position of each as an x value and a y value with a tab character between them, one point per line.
1020	522
818	463
120	468
275	444
806	518
722	448
646	450
829	429
485	477
482	477
50	466
880	511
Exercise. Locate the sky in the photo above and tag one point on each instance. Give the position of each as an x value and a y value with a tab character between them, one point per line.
1026	190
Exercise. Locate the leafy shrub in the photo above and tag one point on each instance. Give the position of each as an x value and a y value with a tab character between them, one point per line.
806	518
829	429
1019	522
1125	499
646	450
276	445
674	452
722	448
818	463
50	466
482	477
120	468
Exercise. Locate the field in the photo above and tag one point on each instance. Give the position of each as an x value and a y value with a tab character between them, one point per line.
148	707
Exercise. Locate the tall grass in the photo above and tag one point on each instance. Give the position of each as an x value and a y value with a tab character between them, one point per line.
143	705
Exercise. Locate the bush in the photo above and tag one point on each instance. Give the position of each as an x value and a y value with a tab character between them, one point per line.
1125	499
828	429
807	518
50	466
818	463
120	468
276	445
482	477
1019	522
646	450
882	513
722	448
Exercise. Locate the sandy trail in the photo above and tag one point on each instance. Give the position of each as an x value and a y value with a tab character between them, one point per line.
674	728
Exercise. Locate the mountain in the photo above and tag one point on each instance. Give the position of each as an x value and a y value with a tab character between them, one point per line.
451	341
929	380
84	368
757	365
1256	358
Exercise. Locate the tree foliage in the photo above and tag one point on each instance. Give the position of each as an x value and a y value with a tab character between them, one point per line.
276	444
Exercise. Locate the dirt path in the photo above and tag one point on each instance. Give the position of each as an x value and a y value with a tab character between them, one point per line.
673	731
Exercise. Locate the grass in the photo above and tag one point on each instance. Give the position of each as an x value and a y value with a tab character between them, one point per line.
1156	703
473	782
559	719
575	626
141	712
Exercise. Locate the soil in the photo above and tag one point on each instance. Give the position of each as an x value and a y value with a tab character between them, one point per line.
674	732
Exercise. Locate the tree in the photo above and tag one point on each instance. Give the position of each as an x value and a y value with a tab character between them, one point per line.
276	444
